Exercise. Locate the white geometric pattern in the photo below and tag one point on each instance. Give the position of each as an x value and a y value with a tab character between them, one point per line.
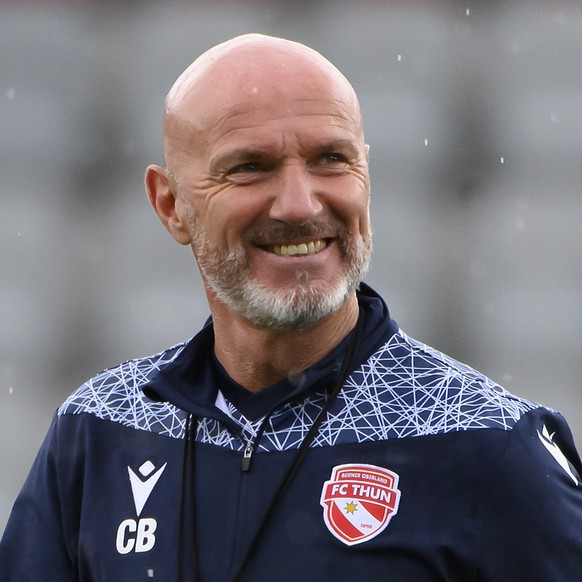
115	395
405	389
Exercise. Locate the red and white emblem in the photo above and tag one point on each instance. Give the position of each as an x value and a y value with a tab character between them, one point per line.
359	501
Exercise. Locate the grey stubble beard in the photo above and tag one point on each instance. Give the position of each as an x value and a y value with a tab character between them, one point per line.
227	274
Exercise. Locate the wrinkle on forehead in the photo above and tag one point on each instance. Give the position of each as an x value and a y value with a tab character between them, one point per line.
250	70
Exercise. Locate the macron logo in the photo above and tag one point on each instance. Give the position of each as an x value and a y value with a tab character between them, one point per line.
143	484
548	442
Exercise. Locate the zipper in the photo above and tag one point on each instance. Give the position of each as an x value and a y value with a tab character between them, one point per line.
247	455
254	443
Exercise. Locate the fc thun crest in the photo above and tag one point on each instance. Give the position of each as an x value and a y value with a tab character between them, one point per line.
359	501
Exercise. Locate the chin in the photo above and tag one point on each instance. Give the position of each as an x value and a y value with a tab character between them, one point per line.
294	308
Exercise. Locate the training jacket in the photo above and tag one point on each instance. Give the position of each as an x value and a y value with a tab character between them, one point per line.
422	470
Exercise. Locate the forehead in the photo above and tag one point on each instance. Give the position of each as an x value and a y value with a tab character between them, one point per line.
275	114
278	113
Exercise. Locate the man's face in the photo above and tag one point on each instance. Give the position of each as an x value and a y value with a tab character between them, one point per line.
274	186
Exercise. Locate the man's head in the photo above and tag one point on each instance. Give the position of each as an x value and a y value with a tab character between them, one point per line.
266	178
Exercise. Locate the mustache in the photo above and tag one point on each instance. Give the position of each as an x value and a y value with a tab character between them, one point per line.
282	233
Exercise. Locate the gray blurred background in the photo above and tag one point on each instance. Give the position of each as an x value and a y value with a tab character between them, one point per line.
474	115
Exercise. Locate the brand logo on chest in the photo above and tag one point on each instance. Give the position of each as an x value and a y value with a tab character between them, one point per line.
359	501
138	535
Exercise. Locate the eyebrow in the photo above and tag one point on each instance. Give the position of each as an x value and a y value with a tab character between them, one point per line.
341	144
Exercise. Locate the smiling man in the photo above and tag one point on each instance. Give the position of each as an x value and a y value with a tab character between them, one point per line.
300	435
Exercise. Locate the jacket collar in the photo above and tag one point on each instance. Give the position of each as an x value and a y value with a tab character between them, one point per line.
190	381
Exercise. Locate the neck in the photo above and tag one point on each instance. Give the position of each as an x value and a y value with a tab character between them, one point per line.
257	357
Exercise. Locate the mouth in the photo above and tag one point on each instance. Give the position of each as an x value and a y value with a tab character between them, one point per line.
300	249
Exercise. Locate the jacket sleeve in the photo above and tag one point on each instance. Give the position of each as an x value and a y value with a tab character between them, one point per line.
33	547
533	526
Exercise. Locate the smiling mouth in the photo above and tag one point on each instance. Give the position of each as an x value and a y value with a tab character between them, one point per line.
309	248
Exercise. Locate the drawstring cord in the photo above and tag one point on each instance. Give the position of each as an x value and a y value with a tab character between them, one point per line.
302	451
188	498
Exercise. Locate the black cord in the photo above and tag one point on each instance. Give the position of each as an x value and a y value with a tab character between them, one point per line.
302	451
192	494
188	498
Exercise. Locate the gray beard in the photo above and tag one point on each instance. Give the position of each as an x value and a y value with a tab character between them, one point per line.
295	307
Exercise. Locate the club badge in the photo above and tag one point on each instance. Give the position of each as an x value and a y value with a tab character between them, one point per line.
359	501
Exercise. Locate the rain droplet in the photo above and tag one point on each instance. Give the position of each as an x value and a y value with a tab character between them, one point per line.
426	142
399	57
502	160
11	390
468	11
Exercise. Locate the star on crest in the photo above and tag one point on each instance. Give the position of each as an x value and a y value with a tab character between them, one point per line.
351	507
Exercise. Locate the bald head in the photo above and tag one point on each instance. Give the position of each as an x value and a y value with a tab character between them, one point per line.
250	69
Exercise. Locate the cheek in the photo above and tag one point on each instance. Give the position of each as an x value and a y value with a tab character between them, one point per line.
352	204
227	218
362	205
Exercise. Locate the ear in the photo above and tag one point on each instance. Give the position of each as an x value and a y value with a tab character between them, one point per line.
166	204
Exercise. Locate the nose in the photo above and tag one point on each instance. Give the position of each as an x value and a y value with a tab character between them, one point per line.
296	199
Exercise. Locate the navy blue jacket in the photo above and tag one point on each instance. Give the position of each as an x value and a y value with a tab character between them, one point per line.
421	470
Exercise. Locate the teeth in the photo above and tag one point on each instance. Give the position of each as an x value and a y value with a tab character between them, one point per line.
301	249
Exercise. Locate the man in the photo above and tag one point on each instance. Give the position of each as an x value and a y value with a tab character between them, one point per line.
300	435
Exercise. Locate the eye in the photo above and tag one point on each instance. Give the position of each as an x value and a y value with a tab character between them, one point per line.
333	158
248	172
246	168
331	163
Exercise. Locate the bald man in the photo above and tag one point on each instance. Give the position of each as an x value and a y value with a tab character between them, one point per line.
300	435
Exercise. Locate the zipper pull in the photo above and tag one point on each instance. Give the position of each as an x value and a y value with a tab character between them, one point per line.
247	454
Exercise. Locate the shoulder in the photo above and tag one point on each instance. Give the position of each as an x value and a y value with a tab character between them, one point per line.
541	447
423	391
533	504
116	394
